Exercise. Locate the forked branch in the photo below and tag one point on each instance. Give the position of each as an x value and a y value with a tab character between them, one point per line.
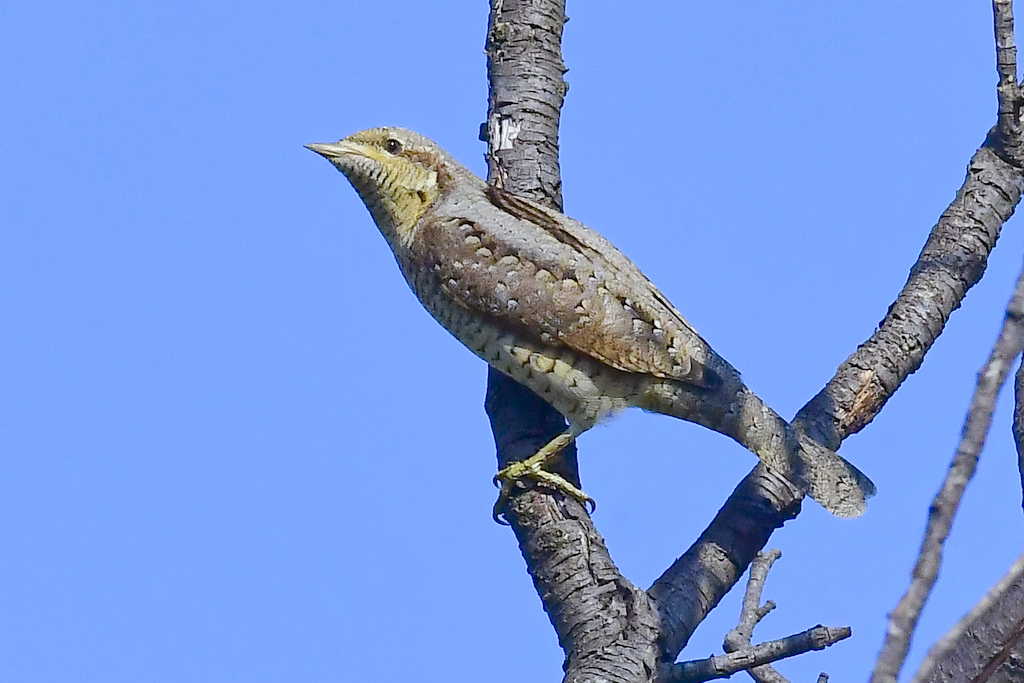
608	628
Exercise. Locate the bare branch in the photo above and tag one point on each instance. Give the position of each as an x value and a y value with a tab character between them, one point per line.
1018	423
752	612
1008	129
525	74
722	666
607	627
984	640
1006	48
600	618
952	261
697	581
903	619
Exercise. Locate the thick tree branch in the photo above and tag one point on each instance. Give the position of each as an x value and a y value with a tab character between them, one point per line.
606	626
697	581
952	261
988	643
903	619
1008	127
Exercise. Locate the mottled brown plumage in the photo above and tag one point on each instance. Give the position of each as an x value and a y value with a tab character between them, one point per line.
557	307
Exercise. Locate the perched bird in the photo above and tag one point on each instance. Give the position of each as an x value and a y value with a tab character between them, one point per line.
555	306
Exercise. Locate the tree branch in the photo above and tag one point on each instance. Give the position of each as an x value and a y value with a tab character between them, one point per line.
722	666
952	261
751	614
752	611
984	640
1018	423
1008	127
903	619
606	626
697	581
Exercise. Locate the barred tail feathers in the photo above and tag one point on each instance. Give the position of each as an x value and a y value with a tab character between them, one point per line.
833	482
736	411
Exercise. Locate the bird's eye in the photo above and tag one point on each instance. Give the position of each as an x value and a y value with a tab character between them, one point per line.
393	146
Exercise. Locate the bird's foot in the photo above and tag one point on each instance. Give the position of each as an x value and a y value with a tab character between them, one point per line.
533	468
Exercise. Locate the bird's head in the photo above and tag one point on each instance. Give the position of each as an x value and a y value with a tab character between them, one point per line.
398	174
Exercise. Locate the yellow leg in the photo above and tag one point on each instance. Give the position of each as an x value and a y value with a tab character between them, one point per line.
533	468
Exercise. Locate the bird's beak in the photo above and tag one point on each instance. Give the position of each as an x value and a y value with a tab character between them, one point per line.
330	150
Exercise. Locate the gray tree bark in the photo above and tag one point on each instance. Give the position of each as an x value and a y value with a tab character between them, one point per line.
609	629
988	643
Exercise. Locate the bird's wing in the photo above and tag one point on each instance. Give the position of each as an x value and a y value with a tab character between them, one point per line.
555	280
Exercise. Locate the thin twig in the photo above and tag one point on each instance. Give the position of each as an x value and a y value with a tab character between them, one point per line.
1018	423
722	666
903	619
752	612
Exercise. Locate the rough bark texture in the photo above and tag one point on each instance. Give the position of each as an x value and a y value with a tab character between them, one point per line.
903	619
952	261
987	644
610	630
606	626
696	582
525	69
1018	423
1008	133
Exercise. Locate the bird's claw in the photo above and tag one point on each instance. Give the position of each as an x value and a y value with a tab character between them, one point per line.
513	476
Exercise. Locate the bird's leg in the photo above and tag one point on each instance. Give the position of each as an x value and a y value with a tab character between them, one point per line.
533	468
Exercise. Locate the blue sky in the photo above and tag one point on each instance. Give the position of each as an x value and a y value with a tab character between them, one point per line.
226	422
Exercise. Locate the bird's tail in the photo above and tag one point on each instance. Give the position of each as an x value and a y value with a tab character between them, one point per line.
735	410
836	484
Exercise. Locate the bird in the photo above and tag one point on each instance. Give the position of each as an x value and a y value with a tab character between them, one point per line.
555	306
